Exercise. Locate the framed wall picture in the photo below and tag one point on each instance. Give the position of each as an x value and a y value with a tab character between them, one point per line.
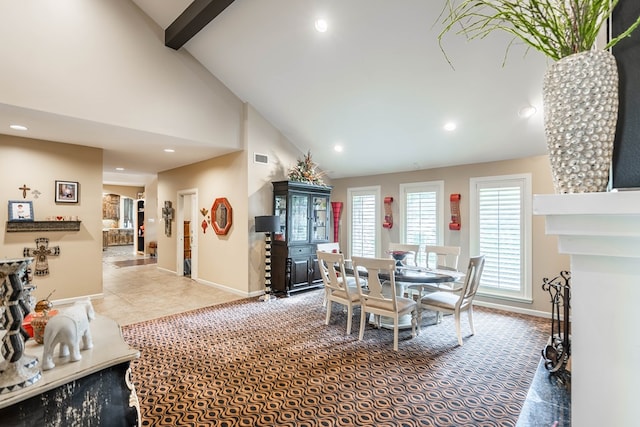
20	210
67	192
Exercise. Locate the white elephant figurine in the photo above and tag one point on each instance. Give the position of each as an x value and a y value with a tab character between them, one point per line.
68	328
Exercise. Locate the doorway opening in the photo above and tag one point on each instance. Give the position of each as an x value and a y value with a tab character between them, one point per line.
187	241
119	234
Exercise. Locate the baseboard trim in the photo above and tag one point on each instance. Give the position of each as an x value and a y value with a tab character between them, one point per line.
512	309
69	301
225	288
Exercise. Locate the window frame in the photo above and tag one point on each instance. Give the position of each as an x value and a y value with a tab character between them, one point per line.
524	182
361	191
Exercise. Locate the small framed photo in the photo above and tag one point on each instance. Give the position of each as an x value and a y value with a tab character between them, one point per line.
67	192
20	210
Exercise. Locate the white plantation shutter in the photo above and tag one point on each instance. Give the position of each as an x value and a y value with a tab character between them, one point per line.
502	234
422	214
363	221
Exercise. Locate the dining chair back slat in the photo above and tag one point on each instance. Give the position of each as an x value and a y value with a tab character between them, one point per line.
446	256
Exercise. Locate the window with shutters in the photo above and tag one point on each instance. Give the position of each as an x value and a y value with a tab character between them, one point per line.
500	213
364	220
422	215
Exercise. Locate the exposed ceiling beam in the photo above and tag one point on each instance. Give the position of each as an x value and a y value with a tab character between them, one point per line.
192	20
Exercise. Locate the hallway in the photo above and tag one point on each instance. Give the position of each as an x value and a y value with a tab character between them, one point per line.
142	292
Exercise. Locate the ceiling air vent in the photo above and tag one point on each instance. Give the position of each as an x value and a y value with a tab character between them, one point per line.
260	158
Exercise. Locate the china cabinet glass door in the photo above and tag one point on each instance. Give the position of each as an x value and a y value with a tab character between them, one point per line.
319	220
299	218
281	212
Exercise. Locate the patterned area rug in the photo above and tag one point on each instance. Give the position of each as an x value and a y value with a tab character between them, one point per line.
253	363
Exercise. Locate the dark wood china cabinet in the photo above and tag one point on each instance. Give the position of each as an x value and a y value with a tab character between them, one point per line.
304	222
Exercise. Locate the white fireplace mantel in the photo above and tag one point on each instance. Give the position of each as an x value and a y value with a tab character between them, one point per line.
601	233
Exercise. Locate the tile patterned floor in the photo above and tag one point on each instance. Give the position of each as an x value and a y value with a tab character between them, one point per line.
137	293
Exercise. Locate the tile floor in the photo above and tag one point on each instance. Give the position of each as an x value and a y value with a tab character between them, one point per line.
137	293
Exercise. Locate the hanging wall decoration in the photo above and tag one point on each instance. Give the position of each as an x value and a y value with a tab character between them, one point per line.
388	214
67	192
40	253
24	189
167	215
454	200
206	220
222	216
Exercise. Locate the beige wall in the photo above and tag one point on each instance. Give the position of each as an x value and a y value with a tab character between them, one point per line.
222	260
545	258
235	261
261	137
77	271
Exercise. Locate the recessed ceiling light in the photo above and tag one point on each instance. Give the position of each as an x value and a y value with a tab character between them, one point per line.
527	111
18	127
449	126
119	169
169	150
338	148
321	25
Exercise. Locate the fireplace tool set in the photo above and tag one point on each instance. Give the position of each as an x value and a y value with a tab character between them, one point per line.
556	353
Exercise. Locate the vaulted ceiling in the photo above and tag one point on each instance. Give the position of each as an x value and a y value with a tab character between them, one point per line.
376	82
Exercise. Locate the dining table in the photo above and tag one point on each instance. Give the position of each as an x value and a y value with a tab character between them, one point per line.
414	279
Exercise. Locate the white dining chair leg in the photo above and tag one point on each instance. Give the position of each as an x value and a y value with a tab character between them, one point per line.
415	326
326	321
470	314
395	334
349	314
363	317
457	316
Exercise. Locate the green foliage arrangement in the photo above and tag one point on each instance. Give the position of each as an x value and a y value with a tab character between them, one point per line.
305	171
557	28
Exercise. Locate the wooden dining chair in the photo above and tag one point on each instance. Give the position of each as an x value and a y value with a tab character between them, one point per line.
335	248
336	284
382	300
456	303
446	257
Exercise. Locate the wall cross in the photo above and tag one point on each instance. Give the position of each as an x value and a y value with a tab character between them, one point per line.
167	215
24	189
41	252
